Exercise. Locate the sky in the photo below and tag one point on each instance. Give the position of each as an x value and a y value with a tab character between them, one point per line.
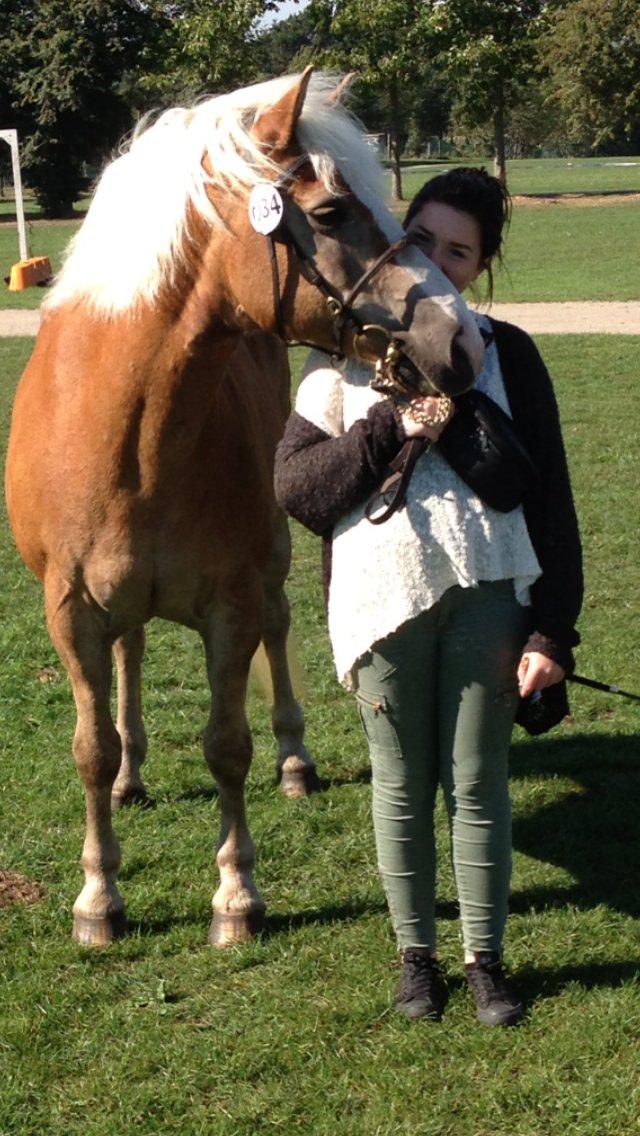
287	8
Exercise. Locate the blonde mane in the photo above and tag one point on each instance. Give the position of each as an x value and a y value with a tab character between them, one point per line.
135	231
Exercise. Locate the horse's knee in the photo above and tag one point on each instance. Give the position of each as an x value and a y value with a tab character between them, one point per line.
97	755
228	752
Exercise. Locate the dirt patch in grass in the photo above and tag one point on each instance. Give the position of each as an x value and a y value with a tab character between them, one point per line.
582	200
15	888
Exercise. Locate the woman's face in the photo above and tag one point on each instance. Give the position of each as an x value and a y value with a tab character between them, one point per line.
451	239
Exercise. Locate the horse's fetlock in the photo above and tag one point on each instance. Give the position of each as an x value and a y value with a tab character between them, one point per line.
288	720
134	743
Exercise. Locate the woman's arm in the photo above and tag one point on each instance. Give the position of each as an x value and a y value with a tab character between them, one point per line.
549	509
319	478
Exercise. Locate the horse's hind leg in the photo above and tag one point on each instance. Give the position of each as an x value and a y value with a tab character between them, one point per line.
128	652
79	635
295	768
231	636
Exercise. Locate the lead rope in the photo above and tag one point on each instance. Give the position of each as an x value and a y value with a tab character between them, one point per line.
609	688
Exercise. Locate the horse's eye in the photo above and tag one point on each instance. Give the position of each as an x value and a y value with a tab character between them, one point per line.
330	213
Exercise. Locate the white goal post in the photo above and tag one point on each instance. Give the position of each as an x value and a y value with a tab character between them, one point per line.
11	137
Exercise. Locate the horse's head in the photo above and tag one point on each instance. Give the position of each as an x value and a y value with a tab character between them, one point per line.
308	255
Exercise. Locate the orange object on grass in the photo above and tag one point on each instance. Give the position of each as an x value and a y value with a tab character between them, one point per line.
26	273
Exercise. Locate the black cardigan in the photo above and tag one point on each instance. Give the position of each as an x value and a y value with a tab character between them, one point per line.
319	478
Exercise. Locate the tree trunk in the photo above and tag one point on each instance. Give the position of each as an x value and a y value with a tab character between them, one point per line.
499	159
395	144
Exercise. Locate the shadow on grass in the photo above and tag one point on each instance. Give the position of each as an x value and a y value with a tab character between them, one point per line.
358	777
348	912
535	984
195	793
593	832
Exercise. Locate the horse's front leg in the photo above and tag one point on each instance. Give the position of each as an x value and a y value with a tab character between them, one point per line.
80	636
295	768
128	652
231	636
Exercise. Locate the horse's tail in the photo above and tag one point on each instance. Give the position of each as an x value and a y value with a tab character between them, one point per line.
260	673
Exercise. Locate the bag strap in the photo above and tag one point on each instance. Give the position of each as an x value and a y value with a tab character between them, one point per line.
397	479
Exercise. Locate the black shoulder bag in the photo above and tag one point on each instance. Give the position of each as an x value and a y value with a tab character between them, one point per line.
480	443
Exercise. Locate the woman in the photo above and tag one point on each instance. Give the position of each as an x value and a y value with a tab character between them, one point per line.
442	616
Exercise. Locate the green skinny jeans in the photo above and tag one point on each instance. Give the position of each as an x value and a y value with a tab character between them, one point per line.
437	700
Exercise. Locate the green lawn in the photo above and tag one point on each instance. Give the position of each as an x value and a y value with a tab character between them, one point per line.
556	252
293	1034
549	175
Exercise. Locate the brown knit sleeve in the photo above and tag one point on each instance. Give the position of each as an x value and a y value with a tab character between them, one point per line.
319	478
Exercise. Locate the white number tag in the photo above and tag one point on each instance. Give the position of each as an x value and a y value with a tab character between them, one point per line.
265	207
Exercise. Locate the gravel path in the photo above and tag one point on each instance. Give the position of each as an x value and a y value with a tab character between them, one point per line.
573	317
16	322
617	317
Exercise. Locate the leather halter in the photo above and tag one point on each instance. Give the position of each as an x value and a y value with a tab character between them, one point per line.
340	307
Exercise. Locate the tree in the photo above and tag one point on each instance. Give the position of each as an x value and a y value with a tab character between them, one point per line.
491	49
209	45
592	57
290	44
387	44
73	75
73	60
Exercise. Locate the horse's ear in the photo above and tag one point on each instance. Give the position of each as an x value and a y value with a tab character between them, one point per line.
276	125
338	93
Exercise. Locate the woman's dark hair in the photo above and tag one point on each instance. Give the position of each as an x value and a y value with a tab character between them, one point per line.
473	190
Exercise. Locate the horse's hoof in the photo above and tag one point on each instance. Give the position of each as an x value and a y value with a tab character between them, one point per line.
300	782
228	929
92	931
130	797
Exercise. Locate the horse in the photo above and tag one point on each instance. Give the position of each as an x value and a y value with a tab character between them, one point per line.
139	470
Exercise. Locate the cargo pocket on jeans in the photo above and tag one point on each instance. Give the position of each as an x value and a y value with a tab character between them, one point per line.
377	723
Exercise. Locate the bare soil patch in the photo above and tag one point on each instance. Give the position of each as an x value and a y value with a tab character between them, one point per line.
15	888
582	200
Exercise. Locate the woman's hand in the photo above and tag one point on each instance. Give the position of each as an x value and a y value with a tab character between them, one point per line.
536	671
429	405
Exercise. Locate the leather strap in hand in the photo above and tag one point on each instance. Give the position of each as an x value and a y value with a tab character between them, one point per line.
396	481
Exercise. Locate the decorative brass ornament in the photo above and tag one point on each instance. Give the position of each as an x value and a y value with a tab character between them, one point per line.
414	410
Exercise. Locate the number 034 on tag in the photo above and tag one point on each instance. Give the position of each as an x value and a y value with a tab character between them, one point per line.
265	207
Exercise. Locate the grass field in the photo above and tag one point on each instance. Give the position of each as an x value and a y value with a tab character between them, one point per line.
293	1033
553	252
549	175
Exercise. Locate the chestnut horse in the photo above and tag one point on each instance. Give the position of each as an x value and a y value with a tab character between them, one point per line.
140	459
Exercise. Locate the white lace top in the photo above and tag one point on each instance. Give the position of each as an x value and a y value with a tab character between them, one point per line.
384	575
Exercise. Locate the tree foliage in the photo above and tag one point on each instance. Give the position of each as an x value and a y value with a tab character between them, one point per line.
291	44
209	45
67	91
592	57
387	44
490	49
